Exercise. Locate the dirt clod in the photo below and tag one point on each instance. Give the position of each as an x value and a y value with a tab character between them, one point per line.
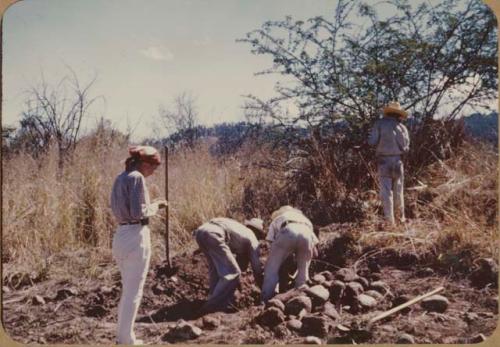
405	339
315	325
271	317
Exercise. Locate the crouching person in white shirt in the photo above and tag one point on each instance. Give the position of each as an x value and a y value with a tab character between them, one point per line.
220	240
290	232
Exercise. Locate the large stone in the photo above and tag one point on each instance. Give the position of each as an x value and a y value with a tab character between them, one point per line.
363	281
276	303
327	284
294	324
353	289
346	275
183	331
405	339
292	293
380	286
328	275
330	311
297	304
337	290
374	294
319	279
435	303
312	340
315	325
318	294
271	317
366	301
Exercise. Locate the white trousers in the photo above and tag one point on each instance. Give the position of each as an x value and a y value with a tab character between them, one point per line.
293	238
391	179
132	253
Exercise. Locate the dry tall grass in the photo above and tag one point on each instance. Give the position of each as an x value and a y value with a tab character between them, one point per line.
455	210
64	224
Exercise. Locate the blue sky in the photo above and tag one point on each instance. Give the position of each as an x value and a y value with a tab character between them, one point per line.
144	53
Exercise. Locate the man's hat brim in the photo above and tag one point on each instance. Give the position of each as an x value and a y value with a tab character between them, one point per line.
401	112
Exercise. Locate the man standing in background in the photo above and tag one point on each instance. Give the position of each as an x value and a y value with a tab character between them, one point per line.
391	139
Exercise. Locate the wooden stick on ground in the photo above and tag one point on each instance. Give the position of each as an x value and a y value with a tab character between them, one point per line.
402	306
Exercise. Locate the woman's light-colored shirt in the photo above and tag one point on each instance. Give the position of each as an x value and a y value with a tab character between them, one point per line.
130	198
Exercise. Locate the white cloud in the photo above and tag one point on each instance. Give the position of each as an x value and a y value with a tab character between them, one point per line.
158	53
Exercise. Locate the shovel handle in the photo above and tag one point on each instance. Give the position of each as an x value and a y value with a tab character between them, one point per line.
404	305
167	238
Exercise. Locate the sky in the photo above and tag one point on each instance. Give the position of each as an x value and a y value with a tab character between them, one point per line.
144	53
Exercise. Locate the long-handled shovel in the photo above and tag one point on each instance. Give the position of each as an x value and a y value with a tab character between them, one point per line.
170	270
167	238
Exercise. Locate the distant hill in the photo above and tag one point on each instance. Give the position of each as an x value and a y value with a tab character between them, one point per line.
483	126
226	138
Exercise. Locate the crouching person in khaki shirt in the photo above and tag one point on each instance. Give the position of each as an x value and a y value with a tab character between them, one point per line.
220	239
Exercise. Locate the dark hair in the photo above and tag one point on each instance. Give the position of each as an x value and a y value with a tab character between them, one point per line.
132	163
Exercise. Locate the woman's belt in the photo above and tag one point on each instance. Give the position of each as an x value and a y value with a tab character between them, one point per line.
144	221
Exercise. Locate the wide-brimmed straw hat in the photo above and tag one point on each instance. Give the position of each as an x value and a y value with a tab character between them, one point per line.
394	107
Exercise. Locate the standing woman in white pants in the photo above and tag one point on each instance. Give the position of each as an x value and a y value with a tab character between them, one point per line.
131	243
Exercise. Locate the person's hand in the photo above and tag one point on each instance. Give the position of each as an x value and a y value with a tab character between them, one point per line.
162	203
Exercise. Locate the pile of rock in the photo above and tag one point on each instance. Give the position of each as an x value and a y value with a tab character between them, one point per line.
311	311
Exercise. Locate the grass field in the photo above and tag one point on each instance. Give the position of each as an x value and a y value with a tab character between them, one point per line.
61	224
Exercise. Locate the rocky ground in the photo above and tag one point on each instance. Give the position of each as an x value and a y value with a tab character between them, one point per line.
346	291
